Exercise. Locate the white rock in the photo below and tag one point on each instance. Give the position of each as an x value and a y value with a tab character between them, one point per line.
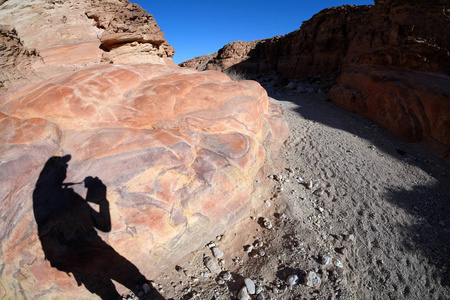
217	252
326	259
312	279
226	276
267	224
338	263
259	290
250	285
211	264
291	280
243	294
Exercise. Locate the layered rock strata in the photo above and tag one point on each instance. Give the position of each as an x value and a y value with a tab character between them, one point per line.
41	39
178	151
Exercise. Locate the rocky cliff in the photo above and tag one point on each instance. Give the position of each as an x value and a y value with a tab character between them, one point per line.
55	37
390	47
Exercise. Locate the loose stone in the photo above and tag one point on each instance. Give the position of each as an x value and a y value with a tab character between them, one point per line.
312	279
217	252
319	192
326	259
211	264
250	285
243	294
338	263
226	276
350	237
146	288
291	280
259	290
267	224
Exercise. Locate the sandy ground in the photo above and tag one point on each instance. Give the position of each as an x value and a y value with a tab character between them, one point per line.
359	213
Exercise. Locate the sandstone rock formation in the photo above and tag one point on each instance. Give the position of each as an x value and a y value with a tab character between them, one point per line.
384	58
177	149
40	39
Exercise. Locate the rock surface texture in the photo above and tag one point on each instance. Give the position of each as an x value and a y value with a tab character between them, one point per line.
40	39
390	61
178	151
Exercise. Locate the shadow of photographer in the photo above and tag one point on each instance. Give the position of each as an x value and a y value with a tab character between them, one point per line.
66	228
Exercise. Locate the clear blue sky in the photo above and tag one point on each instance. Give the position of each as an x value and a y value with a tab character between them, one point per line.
196	28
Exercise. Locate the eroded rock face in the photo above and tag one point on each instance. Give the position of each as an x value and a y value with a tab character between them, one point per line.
41	39
410	104
402	40
178	151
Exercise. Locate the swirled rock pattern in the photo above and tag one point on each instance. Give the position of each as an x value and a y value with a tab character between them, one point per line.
177	149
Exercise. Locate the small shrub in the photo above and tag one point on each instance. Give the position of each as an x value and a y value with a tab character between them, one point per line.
234	75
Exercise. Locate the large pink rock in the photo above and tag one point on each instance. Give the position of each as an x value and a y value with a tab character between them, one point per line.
177	149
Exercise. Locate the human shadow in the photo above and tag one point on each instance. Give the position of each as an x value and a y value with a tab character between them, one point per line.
66	228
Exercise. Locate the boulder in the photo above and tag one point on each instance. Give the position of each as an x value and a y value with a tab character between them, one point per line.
178	151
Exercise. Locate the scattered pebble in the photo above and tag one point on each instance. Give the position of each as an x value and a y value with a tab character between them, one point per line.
250	285
248	248
326	259
210	264
319	192
267	224
350	237
226	276
259	290
243	294
217	252
146	288
338	263
312	279
291	280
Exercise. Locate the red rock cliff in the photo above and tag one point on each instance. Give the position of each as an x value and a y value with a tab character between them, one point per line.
391	61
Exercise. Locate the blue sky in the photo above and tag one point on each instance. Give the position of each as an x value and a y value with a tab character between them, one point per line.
195	28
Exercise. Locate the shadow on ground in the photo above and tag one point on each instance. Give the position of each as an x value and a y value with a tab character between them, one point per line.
430	205
430	236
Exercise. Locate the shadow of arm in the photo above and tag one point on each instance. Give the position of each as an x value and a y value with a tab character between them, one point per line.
97	194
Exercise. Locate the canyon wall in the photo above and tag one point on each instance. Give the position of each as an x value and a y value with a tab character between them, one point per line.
390	62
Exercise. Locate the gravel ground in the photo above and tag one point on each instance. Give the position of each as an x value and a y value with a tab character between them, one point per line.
346	212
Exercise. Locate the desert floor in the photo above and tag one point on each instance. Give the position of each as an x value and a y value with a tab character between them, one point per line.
355	213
